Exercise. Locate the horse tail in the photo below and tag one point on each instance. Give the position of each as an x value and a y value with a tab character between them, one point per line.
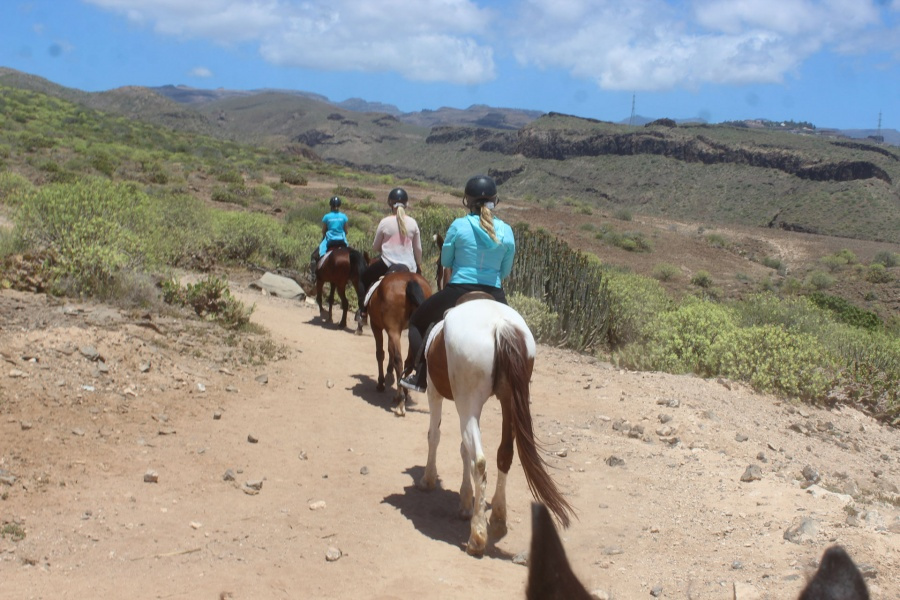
357	267
414	293
511	359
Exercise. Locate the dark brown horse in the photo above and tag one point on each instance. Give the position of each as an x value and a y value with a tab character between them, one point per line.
340	267
398	294
551	578
485	349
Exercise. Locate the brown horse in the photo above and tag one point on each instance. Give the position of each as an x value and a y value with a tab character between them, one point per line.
551	578
390	305
340	267
484	348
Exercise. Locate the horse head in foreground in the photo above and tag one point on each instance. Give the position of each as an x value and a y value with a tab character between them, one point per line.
339	267
484	348
551	578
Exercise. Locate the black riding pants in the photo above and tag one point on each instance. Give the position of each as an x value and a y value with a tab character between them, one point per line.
432	310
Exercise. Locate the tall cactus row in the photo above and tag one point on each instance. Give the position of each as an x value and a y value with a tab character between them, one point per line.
567	281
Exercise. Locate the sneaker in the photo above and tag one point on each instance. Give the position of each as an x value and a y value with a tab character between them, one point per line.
411	384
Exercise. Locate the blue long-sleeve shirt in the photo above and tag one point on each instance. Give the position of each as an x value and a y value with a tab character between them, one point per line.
473	256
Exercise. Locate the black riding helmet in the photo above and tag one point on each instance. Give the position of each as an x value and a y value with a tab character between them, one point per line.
479	190
398	195
334	203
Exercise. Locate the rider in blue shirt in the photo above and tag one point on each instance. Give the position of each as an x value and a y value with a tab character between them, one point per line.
334	233
479	249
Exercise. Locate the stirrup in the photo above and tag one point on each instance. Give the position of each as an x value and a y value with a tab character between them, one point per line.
409	384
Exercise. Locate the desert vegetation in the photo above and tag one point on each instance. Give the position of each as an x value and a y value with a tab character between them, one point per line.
115	208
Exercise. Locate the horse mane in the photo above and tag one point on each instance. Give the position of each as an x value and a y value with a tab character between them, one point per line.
511	362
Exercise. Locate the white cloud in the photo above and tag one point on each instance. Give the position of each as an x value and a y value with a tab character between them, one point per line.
660	45
201	72
423	40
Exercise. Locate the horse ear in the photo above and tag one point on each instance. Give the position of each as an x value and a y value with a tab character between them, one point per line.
838	578
549	575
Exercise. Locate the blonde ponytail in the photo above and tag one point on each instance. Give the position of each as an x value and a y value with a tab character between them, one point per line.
401	220
487	223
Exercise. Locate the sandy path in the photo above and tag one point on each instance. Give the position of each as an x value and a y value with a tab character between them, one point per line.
673	517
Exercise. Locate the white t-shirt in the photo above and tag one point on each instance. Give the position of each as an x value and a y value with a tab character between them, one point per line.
397	249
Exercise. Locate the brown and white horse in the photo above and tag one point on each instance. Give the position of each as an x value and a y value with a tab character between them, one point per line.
390	304
484	348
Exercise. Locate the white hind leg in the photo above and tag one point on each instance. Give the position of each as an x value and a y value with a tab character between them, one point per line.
498	507
465	488
478	469
435	402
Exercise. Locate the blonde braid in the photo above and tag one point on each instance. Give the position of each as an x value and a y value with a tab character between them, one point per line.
401	220
487	223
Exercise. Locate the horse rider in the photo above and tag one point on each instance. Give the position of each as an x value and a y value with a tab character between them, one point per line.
334	233
398	241
479	249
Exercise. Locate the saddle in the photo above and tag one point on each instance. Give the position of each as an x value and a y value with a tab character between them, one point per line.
397	268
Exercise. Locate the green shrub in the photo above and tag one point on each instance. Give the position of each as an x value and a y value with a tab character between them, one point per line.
717	240
622	214
353	192
887	258
210	299
771	359
773	262
818	280
845	312
702	279
665	272
870	375
634	301
95	229
12	187
543	322
796	313
680	340
877	273
293	177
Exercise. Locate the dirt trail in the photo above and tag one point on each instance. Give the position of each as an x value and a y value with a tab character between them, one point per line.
338	471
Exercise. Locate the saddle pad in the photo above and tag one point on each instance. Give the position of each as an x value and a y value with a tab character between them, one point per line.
322	259
438	327
372	291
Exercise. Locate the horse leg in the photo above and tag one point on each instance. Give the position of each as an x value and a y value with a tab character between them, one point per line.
331	304
476	468
379	355
319	285
435	402
504	461
345	306
394	356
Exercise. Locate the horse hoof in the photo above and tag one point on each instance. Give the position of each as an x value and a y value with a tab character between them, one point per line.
498	528
477	542
400	410
380	386
426	485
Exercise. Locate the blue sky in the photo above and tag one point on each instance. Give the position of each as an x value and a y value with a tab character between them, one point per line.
835	63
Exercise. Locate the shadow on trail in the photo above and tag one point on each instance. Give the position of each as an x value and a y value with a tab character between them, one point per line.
365	389
435	514
320	321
